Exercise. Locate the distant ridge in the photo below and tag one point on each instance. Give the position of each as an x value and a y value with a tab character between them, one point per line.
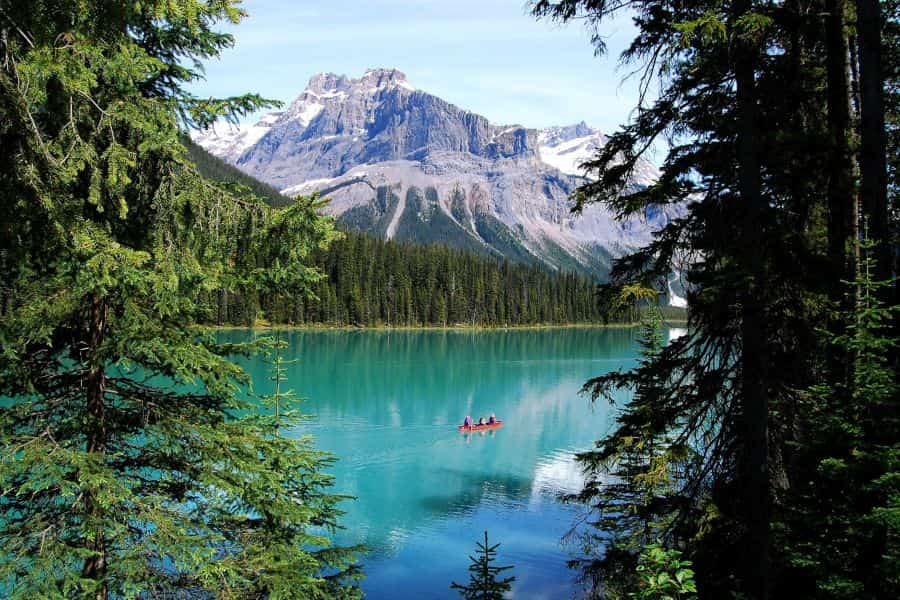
218	170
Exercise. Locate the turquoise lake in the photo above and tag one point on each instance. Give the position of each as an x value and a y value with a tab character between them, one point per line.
388	403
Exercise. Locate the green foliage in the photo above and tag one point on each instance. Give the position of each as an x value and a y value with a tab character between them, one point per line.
483	575
842	525
758	106
664	575
705	29
634	475
131	465
280	400
299	469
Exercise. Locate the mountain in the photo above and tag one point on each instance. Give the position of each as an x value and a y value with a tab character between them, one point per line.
404	164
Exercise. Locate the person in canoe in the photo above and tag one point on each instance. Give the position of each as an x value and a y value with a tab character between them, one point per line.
482	424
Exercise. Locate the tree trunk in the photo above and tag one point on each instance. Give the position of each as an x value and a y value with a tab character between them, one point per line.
842	203
95	385
872	157
843	216
753	418
222	313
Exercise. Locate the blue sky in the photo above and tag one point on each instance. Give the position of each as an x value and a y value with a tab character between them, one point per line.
489	56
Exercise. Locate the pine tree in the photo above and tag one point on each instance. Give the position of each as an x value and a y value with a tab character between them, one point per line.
635	475
873	138
842	527
483	582
285	523
131	464
757	106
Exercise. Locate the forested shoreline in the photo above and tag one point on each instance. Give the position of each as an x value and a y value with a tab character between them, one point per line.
373	283
369	282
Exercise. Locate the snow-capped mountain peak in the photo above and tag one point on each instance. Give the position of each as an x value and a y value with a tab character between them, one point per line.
374	79
553	136
566	148
230	141
403	163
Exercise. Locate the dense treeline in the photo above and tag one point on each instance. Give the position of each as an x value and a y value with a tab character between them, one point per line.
764	442
371	282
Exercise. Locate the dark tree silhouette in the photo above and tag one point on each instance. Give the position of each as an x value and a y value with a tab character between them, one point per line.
483	575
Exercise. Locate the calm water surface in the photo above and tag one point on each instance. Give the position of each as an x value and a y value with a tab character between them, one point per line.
388	402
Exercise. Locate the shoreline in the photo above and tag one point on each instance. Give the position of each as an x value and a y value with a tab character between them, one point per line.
461	327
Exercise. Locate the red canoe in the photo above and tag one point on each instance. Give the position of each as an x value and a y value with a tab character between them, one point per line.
495	425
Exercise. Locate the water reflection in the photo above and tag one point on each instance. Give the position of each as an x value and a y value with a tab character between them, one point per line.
558	474
388	404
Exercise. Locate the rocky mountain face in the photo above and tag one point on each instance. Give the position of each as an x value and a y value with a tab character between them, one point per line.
402	163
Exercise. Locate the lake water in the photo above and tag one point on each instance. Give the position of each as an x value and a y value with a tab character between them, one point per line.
388	403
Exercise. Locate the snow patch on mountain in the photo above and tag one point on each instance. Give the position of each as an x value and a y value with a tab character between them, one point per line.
675	299
395	219
307	112
569	156
229	141
568	148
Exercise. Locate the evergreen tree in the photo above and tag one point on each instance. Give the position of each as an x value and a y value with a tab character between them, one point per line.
298	518
131	467
842	525
635	475
890	47
758	106
483	575
870	25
